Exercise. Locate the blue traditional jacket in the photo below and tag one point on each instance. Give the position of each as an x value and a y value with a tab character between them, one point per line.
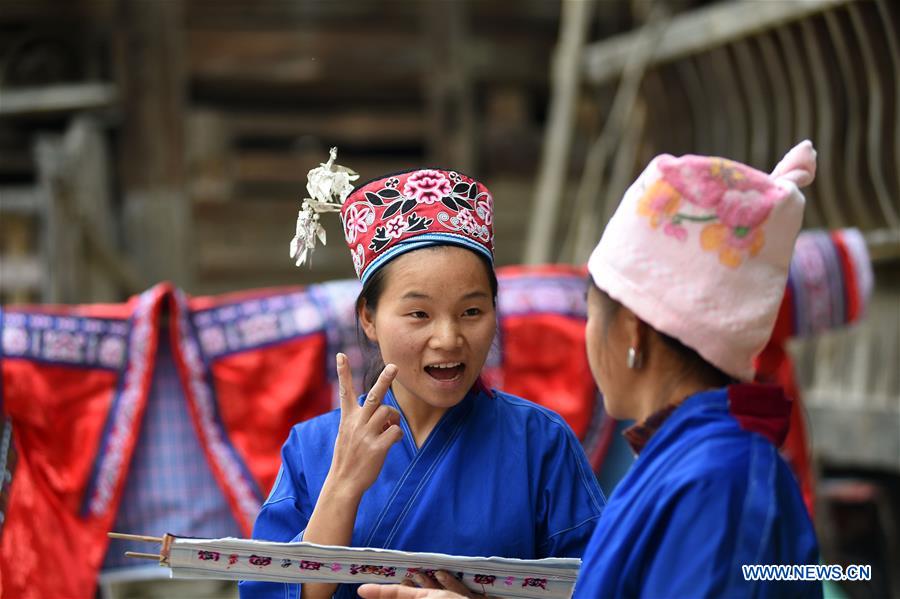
705	497
498	476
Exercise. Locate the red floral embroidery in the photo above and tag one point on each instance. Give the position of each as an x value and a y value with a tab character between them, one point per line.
484	208
359	258
427	186
357	219
535	582
260	560
388	211
385	571
208	555
395	227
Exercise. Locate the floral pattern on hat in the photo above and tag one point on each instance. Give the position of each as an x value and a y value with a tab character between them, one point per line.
387	212
427	186
732	200
359	217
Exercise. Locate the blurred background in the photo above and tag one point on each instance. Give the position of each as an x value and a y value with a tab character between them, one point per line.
151	140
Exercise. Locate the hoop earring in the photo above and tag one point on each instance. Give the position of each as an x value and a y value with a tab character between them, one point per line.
634	358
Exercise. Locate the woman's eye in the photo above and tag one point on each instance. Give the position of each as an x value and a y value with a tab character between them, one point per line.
418	314
472	312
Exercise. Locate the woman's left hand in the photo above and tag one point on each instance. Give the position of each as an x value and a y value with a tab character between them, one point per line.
399	591
442	586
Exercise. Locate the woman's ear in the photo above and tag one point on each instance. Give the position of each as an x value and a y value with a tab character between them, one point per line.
367	322
635	330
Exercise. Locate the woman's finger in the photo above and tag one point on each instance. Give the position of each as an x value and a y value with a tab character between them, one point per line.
426	582
393	591
451	583
382	419
390	436
345	385
376	394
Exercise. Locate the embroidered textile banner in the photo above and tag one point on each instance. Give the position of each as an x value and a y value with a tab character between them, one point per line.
245	559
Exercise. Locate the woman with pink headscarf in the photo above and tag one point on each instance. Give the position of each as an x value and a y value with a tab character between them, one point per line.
686	285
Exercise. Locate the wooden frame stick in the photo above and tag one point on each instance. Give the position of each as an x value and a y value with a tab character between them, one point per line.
130	537
139	555
165	540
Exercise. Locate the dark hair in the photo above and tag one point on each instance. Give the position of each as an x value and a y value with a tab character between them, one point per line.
692	361
369	296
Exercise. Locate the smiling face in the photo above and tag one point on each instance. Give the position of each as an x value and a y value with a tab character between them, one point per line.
435	319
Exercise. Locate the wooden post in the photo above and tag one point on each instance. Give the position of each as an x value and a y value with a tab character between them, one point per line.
59	241
448	87
86	184
565	78
208	157
157	214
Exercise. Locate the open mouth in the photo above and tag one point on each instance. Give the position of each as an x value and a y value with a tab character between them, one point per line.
447	371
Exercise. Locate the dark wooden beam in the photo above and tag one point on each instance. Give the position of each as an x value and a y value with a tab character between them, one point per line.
379	127
150	49
697	31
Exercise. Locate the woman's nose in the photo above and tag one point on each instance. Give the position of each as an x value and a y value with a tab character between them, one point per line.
446	335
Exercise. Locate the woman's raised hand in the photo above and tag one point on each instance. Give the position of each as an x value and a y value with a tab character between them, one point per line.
366	431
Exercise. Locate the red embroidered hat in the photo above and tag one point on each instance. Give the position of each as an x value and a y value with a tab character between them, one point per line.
398	213
395	214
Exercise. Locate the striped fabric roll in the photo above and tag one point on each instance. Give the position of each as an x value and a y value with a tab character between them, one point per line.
829	285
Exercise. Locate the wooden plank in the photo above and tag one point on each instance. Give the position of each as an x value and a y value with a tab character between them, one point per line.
277	167
21	269
505	58
697	31
281	14
843	437
21	199
15	164
20	274
376	126
97	11
883	245
328	61
57	99
400	14
209	140
305	56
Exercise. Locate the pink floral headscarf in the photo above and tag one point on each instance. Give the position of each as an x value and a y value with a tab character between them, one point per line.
699	248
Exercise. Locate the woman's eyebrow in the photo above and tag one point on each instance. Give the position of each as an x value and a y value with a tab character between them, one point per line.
424	296
415	295
475	294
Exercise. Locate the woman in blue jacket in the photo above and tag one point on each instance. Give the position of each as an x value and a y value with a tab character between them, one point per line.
685	288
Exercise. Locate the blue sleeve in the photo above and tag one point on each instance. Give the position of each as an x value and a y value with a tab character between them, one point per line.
713	525
570	500
283	517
